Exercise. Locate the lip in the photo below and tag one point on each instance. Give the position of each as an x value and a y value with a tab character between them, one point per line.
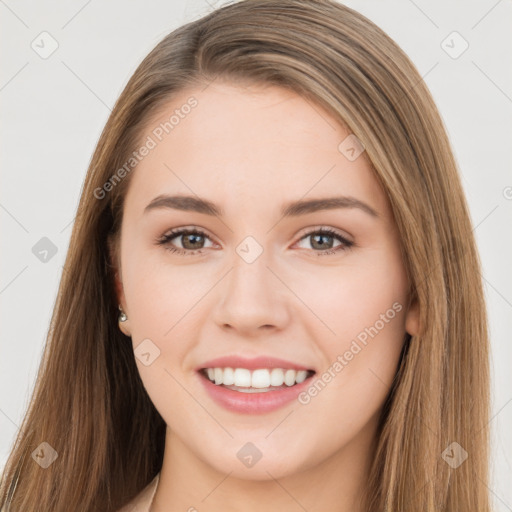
254	363
252	403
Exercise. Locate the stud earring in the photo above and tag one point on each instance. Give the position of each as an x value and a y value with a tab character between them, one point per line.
122	315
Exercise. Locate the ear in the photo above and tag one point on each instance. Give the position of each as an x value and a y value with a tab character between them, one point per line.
412	318
115	266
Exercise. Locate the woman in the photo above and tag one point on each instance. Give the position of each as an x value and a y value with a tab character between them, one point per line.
271	297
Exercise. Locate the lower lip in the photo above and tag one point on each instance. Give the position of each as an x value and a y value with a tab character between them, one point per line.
252	403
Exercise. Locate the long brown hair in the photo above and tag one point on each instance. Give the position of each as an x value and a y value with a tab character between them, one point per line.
89	404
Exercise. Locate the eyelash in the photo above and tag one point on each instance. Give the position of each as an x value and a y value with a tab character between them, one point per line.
165	241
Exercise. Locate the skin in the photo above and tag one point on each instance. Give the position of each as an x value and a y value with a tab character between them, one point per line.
249	150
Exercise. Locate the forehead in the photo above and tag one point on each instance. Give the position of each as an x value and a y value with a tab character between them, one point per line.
235	144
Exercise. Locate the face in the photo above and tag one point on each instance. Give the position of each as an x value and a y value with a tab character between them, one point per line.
316	289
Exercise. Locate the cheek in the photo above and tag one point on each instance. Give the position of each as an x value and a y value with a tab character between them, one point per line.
160	293
162	303
364	309
352	298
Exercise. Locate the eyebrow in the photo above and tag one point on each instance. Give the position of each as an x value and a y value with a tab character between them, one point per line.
291	209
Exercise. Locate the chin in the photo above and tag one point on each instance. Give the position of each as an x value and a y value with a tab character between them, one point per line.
258	459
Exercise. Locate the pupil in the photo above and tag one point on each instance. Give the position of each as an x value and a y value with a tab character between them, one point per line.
322	246
192	236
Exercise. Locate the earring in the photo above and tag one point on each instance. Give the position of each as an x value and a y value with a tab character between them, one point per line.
122	315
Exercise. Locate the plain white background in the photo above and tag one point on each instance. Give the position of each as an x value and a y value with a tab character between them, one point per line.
54	108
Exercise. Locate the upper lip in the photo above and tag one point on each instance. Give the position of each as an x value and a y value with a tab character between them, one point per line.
252	363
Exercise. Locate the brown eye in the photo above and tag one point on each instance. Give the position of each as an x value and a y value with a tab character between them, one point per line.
191	240
323	240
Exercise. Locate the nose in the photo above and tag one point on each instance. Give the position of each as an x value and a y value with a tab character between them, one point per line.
252	299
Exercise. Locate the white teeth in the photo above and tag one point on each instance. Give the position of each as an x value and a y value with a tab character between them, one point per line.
218	375
228	377
242	378
261	379
276	377
289	377
301	376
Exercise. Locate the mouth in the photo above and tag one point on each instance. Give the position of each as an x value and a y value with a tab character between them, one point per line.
254	391
261	380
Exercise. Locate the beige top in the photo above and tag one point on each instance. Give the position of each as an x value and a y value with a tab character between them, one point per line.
142	502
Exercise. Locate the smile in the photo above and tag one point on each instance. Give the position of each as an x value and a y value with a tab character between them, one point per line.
256	381
257	391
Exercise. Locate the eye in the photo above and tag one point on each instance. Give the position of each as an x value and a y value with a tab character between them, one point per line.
191	241
320	239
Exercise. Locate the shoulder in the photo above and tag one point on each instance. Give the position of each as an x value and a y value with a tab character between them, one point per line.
143	500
